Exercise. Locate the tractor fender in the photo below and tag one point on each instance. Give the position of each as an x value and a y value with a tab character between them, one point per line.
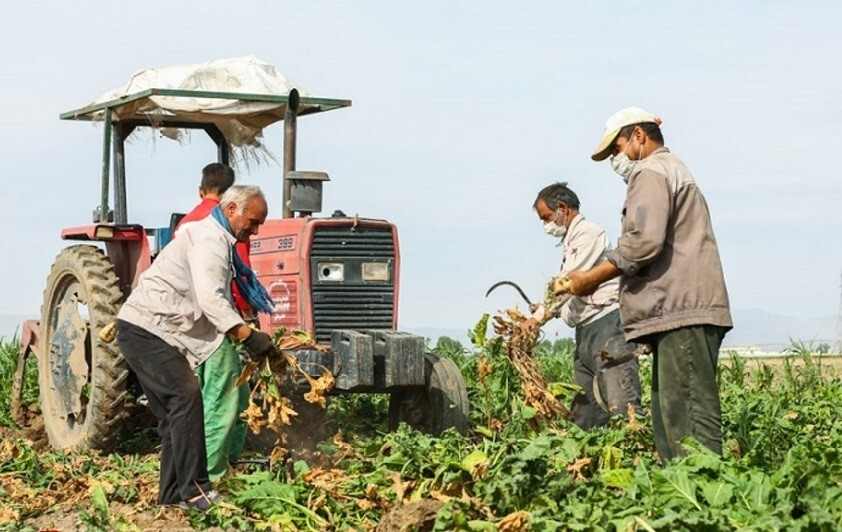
127	247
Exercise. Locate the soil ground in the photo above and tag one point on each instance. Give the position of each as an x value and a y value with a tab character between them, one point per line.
159	519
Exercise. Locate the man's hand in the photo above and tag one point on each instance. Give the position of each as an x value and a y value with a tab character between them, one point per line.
530	326
534	322
260	345
585	283
581	283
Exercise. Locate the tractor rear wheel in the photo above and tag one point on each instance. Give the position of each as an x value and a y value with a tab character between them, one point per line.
82	379
440	405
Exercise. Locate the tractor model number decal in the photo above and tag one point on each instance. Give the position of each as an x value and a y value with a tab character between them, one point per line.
268	245
286	243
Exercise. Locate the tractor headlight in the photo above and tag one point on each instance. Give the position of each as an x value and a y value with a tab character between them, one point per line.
375	271
331	271
104	232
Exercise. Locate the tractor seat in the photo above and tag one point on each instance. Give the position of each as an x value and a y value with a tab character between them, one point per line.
174	219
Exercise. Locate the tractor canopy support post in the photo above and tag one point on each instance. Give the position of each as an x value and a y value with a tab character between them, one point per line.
222	153
119	137
223	150
290	119
102	215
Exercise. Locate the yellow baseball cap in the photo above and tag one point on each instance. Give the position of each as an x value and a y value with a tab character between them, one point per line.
617	121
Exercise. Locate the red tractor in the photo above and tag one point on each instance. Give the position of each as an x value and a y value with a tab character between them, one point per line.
336	277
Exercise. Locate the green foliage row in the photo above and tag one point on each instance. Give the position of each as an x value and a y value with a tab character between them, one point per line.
9	354
782	467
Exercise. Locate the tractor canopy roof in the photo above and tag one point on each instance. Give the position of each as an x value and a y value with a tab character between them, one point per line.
240	96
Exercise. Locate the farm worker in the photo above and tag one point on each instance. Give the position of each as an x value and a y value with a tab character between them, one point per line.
178	316
225	431
604	363
672	289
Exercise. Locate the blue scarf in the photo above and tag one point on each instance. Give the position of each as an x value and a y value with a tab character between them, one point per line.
250	288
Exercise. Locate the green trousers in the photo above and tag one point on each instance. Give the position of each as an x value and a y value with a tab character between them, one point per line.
225	430
685	395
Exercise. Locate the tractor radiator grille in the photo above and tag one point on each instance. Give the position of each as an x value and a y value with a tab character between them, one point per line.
357	242
352	303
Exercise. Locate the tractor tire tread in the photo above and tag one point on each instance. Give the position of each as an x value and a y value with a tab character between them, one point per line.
108	370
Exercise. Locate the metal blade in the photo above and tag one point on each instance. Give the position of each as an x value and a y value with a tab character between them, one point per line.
513	285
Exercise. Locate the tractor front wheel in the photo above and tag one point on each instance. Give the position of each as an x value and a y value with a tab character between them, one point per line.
440	405
82	379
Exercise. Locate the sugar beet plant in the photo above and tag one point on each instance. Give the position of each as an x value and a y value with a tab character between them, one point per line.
781	469
510	475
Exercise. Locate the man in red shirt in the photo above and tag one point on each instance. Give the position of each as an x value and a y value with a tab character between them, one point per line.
216	178
222	400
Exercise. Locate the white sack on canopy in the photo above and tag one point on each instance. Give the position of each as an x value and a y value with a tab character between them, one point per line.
241	122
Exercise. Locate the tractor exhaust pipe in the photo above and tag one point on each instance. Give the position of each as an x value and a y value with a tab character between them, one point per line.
290	131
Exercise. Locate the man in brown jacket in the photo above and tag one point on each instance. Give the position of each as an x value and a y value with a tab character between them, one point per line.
672	289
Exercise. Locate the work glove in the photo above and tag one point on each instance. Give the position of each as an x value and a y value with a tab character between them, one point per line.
260	345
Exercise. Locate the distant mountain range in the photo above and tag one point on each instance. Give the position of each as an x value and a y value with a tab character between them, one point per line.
752	327
760	328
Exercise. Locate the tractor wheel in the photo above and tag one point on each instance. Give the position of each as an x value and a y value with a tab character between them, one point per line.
440	405
82	379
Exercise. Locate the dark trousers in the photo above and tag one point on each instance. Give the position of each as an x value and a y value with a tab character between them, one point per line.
685	395
176	400
599	345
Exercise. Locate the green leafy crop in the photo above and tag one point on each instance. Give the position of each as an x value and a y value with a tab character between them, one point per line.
781	469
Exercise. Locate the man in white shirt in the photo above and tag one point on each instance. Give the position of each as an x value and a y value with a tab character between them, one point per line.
176	317
604	364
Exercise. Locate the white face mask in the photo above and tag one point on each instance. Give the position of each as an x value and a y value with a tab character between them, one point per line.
553	229
623	166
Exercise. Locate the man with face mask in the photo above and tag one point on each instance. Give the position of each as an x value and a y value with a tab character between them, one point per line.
604	364
672	289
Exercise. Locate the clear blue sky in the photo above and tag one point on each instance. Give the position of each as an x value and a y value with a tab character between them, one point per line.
461	112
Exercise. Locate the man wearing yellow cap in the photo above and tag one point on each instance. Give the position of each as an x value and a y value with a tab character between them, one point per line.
672	289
